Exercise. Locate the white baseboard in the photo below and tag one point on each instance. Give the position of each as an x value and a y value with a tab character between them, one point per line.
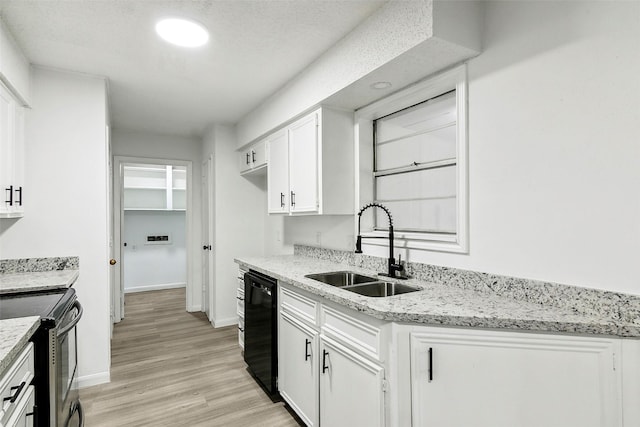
94	379
158	287
194	308
219	323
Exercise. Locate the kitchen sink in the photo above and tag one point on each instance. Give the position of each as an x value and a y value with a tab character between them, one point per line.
381	289
341	278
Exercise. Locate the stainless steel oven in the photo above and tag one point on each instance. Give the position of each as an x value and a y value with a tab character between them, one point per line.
56	353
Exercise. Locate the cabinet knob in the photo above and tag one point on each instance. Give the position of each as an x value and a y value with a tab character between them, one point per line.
293	198
112	261
282	200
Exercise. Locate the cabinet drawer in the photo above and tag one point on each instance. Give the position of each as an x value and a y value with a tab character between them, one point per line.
351	331
241	331
240	301
16	383
299	306
23	413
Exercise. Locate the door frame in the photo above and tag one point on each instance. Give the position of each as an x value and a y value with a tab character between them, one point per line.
208	212
118	228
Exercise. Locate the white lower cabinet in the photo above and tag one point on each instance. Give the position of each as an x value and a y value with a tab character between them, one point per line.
298	368
327	380
16	393
351	388
338	367
23	416
493	379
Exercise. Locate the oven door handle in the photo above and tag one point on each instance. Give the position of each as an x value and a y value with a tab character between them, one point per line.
76	407
75	320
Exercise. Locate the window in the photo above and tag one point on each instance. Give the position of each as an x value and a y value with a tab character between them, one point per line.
418	167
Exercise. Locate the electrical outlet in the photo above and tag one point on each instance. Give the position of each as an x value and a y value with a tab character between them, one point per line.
319	238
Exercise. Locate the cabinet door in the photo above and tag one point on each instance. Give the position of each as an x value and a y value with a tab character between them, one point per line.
278	173
245	160
18	156
6	150
298	368
351	388
303	164
258	155
489	379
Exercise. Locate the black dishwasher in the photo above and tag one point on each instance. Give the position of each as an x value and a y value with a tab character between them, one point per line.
260	330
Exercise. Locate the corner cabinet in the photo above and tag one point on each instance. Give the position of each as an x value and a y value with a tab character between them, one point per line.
311	164
11	155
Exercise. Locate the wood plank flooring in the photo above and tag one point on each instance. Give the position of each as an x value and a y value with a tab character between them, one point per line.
172	368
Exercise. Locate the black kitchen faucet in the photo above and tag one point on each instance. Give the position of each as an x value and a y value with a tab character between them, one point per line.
393	267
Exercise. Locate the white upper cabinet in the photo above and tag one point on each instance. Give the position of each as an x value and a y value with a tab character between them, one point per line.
311	165
11	155
303	164
254	158
278	172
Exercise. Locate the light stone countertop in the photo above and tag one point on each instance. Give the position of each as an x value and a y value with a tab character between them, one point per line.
37	281
438	304
14	335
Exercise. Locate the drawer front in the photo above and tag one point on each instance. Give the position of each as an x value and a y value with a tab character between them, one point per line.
240	301
299	306
241	331
15	383
241	272
351	332
24	411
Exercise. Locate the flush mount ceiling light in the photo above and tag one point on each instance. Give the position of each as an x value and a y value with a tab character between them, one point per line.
182	32
380	85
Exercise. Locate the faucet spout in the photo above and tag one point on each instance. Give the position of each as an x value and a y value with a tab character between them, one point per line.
392	266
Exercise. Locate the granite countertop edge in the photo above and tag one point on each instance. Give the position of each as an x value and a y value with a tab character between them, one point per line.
437	304
11	283
14	335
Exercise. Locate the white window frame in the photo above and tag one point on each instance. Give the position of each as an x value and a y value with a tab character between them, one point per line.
455	78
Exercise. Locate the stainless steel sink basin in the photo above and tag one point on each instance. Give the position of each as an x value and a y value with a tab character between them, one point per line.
381	289
341	278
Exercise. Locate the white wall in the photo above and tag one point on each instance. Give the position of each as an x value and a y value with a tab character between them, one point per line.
239	204
325	231
131	143
66	200
554	125
154	266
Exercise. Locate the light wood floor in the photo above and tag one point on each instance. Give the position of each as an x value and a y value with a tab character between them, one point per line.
172	368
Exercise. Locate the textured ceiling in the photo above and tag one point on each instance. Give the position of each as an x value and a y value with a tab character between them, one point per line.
255	48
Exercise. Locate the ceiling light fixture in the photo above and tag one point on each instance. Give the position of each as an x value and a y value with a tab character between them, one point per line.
380	85
182	32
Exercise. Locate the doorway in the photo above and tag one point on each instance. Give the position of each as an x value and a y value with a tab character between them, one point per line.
152	227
